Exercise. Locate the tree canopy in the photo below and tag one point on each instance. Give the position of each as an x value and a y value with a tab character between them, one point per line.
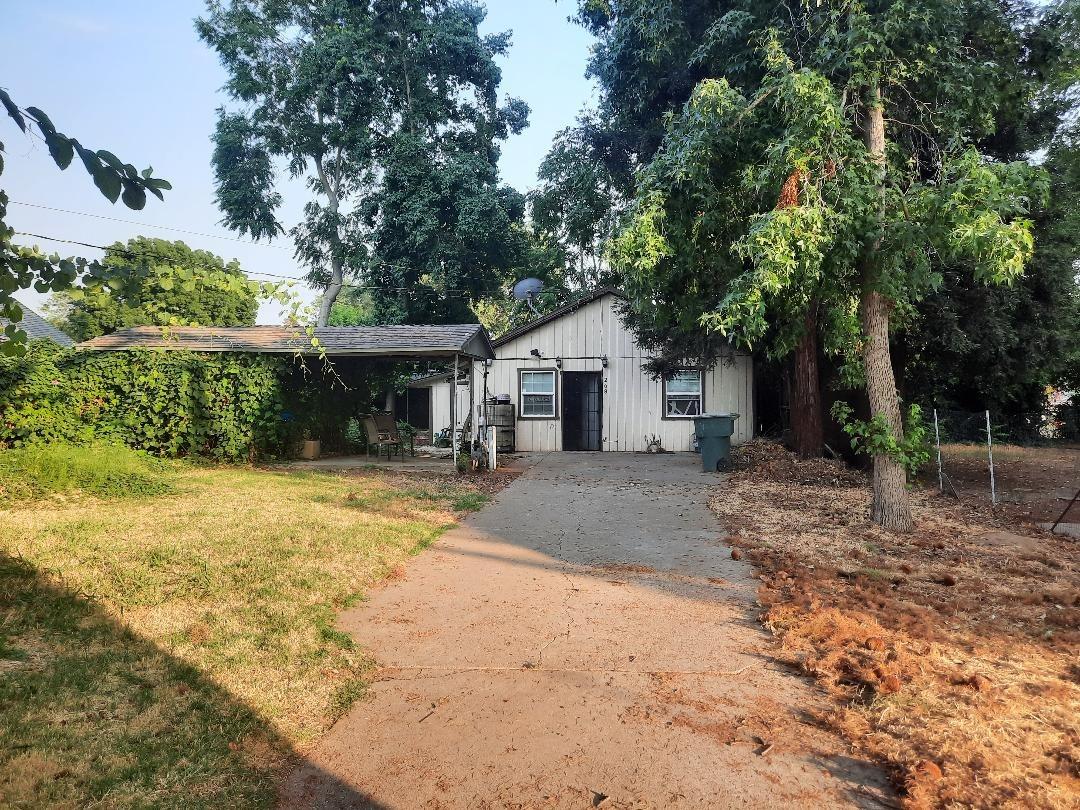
389	113
574	204
780	186
150	290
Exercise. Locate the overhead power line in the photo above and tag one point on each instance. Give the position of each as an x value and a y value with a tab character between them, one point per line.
383	265
148	225
137	254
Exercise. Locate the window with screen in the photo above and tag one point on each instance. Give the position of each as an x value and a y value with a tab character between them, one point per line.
537	394
682	394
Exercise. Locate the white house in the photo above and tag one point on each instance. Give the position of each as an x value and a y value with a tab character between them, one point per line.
577	381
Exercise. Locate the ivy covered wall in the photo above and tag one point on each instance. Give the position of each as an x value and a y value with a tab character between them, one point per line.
221	406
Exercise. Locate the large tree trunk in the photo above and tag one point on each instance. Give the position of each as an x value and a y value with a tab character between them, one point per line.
337	271
807	430
891	507
330	294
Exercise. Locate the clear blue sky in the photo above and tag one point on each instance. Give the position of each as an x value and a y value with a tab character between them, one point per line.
131	76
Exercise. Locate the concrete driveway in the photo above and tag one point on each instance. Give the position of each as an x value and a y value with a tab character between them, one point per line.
586	640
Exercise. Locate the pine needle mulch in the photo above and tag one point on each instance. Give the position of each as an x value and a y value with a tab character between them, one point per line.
952	652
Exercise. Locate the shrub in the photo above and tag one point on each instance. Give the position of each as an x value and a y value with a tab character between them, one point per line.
104	470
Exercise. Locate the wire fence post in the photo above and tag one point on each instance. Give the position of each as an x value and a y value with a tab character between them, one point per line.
990	451
937	441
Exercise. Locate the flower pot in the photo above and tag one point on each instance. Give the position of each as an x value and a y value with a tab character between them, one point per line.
310	450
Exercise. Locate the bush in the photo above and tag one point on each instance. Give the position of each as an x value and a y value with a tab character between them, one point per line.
104	470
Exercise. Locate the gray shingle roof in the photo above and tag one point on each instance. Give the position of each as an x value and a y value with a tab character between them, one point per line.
382	341
37	327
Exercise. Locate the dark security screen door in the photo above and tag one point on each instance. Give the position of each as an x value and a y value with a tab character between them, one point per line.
582	406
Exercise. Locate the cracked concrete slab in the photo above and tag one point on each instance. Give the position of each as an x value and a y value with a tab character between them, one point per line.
585	640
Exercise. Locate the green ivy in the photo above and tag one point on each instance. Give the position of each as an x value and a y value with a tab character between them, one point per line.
222	406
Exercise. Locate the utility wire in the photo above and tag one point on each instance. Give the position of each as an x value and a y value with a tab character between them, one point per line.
148	225
383	265
449	293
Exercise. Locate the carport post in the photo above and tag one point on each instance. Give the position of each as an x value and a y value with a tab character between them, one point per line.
453	413
474	422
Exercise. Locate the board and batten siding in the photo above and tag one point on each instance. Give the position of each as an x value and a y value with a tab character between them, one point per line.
440	404
633	405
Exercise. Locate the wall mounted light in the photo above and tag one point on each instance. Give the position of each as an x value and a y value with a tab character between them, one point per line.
558	362
603	360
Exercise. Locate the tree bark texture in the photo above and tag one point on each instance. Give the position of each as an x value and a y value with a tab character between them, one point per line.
891	507
337	271
807	429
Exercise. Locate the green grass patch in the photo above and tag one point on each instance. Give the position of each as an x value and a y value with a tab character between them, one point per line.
102	470
173	652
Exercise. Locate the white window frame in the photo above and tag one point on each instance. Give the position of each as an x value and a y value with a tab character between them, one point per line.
554	394
683	395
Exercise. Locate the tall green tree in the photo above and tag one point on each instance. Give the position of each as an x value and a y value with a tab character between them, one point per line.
574	204
389	112
543	258
969	346
151	289
843	211
649	58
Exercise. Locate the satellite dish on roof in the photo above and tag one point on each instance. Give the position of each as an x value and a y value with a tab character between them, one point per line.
527	289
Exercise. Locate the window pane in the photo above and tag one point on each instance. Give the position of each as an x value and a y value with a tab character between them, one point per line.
684	405
684	382
538	382
538	405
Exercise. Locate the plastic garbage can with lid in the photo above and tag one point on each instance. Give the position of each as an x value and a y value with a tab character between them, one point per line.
714	431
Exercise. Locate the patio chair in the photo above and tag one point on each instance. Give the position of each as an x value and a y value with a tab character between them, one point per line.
382	431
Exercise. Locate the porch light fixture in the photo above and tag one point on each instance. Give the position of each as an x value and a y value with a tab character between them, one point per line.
558	362
603	360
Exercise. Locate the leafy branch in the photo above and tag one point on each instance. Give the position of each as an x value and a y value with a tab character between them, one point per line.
876	438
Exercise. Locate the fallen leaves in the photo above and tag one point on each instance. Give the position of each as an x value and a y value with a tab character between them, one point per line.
951	651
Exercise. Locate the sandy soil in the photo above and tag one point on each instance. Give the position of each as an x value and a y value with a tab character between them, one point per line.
587	640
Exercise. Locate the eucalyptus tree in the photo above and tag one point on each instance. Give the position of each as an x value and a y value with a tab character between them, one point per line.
388	111
784	186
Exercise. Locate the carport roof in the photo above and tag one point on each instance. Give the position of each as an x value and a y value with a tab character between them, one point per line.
387	342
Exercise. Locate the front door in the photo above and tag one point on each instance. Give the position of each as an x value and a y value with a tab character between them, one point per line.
582	409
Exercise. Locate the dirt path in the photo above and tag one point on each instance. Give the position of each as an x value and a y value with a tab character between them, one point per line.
586	636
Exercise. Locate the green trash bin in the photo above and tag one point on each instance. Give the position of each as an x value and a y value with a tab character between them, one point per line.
714	431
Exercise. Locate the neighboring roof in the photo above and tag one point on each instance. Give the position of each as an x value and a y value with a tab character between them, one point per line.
430	379
566	309
37	327
470	340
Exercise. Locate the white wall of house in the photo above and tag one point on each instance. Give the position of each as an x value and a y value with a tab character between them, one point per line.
633	404
440	404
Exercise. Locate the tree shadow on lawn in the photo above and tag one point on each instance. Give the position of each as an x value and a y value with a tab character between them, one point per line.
91	713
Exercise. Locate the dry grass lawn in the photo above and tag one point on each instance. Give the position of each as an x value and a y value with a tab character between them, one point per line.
952	652
176	650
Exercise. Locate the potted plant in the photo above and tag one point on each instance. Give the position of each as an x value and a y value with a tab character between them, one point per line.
311	448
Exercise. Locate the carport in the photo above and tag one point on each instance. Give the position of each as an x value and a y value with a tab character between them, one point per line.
452	344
